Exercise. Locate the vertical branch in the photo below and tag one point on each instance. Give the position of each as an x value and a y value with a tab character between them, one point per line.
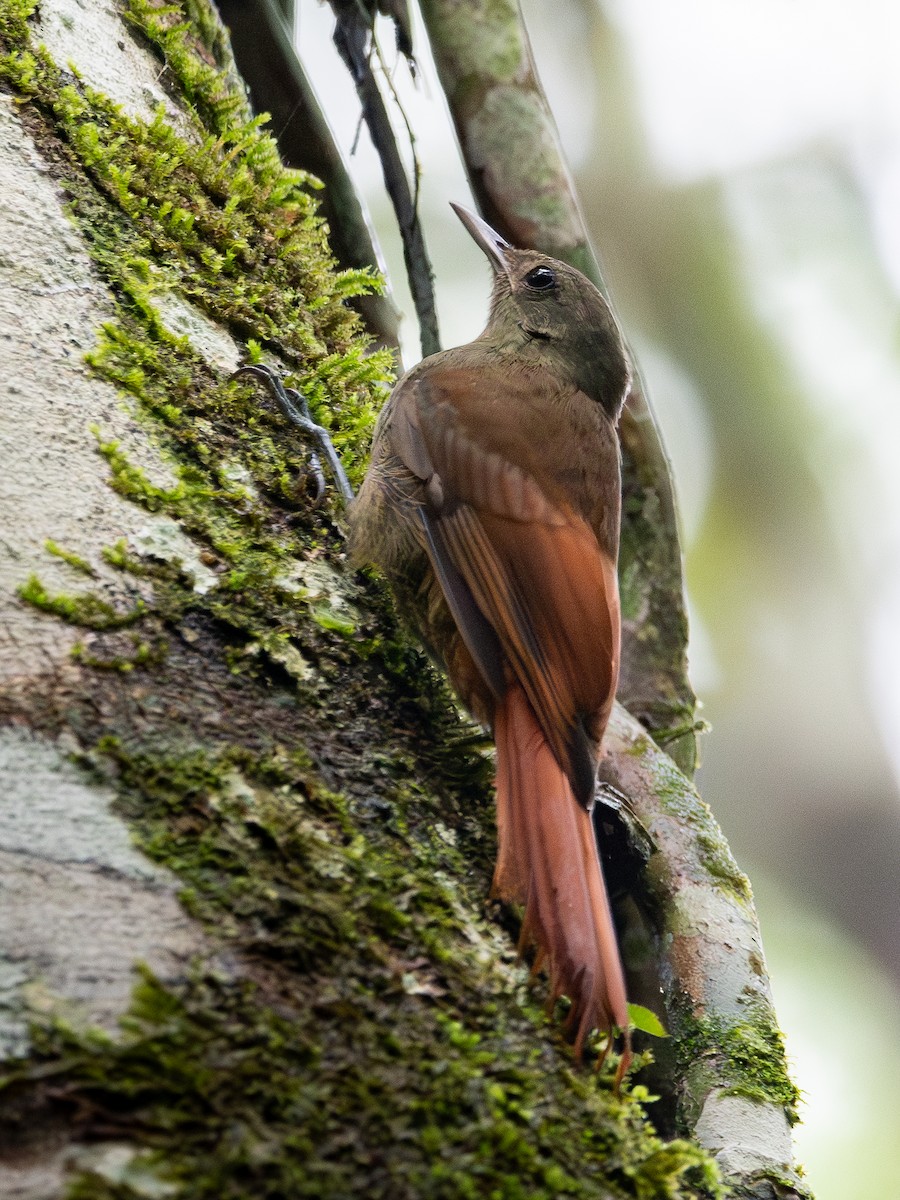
724	1071
353	40
522	184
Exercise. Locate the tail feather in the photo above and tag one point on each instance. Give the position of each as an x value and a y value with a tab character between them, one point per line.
548	861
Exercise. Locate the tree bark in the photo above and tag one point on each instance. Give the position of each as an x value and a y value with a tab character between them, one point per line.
245	836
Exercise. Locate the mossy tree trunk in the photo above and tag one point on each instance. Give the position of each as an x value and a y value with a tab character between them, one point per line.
245	835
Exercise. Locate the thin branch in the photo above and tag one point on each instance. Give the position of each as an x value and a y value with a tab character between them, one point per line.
352	37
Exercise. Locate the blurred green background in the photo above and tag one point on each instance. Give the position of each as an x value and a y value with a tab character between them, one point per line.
739	168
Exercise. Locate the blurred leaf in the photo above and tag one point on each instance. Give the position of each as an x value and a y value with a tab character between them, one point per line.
645	1020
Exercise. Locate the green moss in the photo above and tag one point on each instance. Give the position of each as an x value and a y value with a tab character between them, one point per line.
678	796
239	233
74	560
755	1051
272	1100
240	238
784	1184
85	608
122	559
141	653
359	1076
747	1054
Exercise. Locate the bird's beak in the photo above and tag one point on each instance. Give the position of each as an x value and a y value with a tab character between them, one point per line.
491	243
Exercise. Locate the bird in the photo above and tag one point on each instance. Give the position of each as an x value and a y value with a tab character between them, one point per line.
492	505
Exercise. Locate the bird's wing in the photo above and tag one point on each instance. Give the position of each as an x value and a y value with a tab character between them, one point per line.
511	558
409	445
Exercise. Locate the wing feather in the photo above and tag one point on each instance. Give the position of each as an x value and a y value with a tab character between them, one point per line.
530	588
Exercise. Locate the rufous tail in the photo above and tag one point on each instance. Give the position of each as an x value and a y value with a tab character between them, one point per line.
548	861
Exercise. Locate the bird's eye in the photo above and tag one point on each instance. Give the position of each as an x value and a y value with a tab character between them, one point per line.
541	279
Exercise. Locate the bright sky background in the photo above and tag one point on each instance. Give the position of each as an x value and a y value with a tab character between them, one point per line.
723	86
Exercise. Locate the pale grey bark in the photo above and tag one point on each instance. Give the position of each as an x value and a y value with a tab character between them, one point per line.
711	959
79	905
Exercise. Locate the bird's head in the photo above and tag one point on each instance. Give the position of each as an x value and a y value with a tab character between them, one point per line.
550	312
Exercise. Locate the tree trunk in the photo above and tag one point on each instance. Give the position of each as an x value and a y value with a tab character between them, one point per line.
245	836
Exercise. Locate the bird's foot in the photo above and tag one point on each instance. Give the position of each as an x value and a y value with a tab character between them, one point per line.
296	410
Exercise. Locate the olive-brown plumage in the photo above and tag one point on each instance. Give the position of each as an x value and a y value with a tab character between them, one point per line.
492	506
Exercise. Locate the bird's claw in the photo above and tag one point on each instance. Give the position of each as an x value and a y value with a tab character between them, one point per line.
295	408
